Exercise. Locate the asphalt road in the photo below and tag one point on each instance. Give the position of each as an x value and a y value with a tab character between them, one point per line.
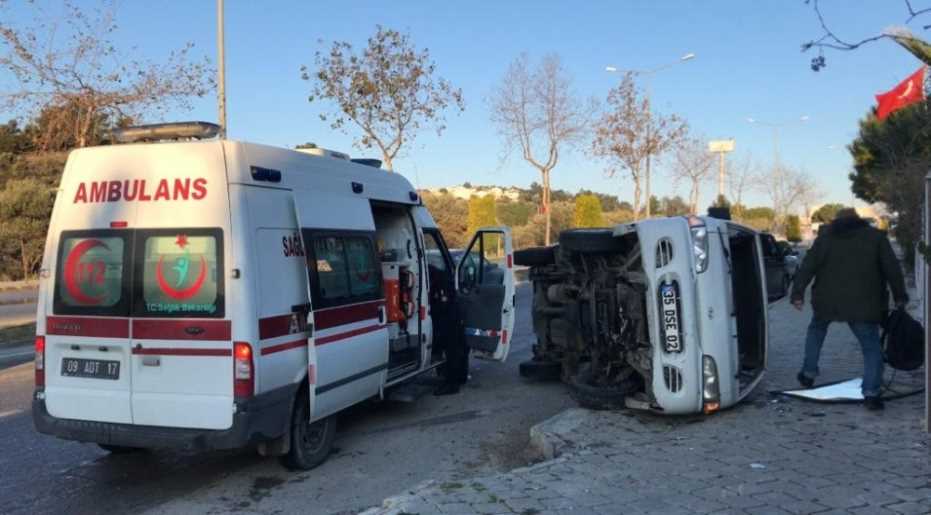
381	448
17	314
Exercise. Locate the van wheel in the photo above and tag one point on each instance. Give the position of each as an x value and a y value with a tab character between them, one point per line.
540	370
599	397
591	240
535	256
118	449
310	442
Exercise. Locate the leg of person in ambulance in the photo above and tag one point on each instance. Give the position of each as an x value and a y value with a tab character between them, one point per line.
456	368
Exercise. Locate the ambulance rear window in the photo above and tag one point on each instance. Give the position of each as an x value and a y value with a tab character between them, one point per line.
91	277
178	273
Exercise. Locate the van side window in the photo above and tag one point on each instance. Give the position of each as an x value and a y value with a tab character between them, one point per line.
363	276
330	255
179	273
91	278
343	268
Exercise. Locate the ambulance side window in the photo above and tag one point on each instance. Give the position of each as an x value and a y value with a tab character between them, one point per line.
330	260
343	268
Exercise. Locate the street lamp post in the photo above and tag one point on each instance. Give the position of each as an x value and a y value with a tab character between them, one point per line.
647	73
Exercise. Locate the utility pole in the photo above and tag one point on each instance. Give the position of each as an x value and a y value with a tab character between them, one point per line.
221	71
721	147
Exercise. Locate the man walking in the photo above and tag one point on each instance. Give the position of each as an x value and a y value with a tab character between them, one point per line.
851	264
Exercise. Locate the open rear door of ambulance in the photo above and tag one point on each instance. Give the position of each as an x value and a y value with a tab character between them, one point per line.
485	283
311	436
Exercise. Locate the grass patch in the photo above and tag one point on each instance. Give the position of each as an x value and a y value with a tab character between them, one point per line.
17	334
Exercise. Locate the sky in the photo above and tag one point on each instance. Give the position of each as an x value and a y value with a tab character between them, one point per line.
748	64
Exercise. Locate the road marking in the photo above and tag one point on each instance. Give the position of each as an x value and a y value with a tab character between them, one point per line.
10	412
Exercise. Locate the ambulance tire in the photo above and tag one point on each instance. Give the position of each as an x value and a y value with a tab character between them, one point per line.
539	370
591	241
119	449
535	256
310	443
595	397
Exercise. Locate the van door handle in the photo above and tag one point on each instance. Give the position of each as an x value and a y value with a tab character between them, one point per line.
381	314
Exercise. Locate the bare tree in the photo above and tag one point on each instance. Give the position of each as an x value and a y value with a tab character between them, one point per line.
388	90
629	133
902	35
692	163
536	112
742	177
67	68
787	189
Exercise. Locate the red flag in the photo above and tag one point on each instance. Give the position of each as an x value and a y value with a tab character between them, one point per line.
908	92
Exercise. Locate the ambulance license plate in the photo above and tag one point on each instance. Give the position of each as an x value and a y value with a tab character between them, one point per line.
90	368
669	314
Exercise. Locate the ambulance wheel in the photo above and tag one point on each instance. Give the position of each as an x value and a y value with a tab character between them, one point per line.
539	370
310	442
118	449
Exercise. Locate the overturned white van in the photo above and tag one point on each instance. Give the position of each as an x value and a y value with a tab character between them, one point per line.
219	294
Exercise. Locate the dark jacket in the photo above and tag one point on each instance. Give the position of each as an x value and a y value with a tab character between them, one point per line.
851	264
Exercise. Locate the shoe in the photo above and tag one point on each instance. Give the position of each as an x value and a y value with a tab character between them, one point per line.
805	381
446	389
874	403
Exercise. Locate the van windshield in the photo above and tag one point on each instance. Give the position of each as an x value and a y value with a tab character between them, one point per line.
158	273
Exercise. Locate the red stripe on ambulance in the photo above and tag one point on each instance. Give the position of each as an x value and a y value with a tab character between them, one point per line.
323	340
87	326
334	317
297	344
200	330
167	351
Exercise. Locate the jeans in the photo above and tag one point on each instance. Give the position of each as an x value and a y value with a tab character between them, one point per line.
868	335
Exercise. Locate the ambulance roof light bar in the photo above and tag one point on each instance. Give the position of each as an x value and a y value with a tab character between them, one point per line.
166	131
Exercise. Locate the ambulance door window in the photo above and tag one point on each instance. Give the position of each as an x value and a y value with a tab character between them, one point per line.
364	276
179	272
93	273
332	277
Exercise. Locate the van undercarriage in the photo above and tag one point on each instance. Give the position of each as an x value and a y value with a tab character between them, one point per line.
589	314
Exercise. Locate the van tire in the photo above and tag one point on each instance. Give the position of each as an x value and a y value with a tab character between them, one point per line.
540	370
119	449
599	397
591	240
311	443
535	256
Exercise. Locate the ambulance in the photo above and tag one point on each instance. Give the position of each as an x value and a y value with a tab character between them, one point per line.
209	293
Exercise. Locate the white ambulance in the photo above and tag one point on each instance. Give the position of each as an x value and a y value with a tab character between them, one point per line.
217	294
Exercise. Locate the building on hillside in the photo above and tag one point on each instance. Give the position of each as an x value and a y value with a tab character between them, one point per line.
466	192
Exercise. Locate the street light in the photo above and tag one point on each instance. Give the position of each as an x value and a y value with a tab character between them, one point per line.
776	126
613	69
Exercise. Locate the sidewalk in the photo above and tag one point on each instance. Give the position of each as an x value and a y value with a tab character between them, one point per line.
769	454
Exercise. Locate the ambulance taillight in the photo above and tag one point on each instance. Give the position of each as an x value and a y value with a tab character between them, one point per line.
40	361
243	371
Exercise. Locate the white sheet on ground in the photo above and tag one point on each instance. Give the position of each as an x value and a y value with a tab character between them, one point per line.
844	391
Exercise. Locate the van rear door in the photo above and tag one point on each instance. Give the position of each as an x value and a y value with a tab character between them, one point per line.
182	349
88	374
485	284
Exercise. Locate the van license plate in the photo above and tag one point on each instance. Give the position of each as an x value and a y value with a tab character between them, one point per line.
90	368
669	315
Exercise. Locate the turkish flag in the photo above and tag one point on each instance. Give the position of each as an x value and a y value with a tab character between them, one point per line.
908	92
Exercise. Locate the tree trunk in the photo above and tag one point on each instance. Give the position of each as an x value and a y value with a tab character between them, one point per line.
546	205
387	164
24	258
636	197
693	198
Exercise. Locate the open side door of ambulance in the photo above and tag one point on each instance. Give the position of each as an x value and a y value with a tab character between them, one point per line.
485	285
307	311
